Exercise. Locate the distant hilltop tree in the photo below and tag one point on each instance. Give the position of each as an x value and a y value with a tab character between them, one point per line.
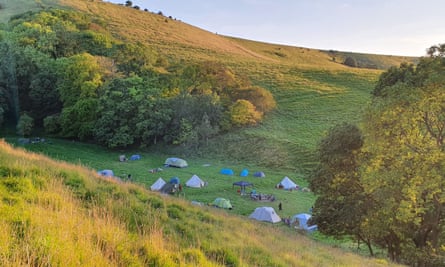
128	3
351	62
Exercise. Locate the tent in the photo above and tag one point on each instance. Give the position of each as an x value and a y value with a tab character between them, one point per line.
135	157
265	214
106	173
195	181
222	203
169	188
122	158
156	186
259	174
244	173
302	219
174	180
287	183
176	162
226	171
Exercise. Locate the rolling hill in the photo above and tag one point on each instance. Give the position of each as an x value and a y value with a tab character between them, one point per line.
313	92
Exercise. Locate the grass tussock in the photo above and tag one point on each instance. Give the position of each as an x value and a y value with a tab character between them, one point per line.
53	213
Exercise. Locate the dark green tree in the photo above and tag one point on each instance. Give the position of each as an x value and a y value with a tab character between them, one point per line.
342	205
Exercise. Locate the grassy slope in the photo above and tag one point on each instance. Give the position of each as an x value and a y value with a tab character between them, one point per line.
312	91
53	213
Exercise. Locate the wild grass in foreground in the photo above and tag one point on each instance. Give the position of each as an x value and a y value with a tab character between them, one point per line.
55	213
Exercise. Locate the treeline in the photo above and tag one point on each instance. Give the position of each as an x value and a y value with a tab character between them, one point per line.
64	72
383	184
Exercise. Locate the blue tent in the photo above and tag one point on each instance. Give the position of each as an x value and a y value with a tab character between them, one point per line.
106	173
244	173
303	219
174	180
226	171
259	174
135	157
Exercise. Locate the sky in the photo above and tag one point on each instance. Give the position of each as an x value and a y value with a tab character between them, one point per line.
388	27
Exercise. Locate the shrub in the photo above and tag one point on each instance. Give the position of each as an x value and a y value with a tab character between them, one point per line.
52	124
25	125
351	62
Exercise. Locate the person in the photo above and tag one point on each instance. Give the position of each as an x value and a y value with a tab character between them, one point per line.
280	206
129	177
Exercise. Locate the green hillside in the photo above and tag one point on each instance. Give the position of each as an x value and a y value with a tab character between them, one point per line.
313	92
122	223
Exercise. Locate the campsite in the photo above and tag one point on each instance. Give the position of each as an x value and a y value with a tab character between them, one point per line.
208	170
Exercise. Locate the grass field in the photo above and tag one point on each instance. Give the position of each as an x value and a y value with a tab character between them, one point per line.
219	185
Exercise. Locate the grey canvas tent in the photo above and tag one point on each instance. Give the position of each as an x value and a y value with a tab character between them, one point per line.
175	162
156	186
265	214
195	182
287	184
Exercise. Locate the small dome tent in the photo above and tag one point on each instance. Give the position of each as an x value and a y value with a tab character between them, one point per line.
265	214
244	173
175	180
259	174
226	171
108	173
287	184
156	186
195	182
222	203
135	157
176	162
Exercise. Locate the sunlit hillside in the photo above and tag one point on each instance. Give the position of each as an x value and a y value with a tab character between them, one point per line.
314	90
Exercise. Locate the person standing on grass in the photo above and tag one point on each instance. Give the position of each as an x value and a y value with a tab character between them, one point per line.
280	206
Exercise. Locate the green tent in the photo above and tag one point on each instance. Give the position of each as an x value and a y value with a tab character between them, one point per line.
222	203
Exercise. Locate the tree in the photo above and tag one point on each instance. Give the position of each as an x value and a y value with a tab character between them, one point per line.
243	113
351	62
205	130
80	78
342	205
261	98
25	125
128	3
404	166
394	75
131	111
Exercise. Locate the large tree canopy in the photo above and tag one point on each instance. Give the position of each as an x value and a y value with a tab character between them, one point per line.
72	75
395	181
